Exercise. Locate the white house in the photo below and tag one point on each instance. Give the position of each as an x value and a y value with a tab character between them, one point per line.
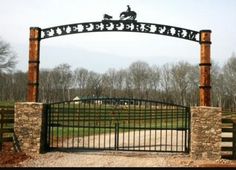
76	99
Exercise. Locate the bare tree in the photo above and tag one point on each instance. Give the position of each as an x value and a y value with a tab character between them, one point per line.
180	81
81	80
154	81
193	88
217	84
140	73
61	79
94	87
46	90
7	57
120	82
165	82
229	71
19	86
111	78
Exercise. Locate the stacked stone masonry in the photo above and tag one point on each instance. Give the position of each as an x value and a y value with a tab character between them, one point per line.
206	133
30	126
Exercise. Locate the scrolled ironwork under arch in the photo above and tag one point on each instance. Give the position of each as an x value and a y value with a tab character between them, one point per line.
120	26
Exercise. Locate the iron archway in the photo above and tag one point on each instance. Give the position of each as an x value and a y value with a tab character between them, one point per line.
203	37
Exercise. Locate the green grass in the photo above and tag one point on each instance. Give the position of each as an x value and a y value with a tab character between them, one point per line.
7	103
133	116
78	132
94	129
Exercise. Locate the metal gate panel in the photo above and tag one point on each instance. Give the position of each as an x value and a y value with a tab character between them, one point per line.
118	124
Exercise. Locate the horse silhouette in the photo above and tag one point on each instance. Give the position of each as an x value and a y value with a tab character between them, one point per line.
128	15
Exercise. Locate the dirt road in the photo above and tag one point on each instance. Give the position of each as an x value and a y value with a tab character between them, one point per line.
119	159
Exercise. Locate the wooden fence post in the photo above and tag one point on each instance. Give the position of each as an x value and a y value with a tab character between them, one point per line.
33	70
205	65
234	140
1	127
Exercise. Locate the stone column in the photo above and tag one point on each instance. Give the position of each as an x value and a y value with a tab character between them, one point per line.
205	66
33	70
30	127
205	133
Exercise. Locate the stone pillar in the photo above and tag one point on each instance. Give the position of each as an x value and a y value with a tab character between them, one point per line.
205	66
205	133
33	70
30	126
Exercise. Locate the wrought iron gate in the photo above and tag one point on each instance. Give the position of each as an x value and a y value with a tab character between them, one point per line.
118	124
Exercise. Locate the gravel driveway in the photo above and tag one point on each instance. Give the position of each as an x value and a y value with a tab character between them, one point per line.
118	159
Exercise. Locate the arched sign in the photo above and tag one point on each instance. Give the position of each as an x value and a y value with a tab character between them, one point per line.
123	25
120	25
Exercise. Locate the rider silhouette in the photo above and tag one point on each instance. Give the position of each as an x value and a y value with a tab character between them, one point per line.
129	9
128	15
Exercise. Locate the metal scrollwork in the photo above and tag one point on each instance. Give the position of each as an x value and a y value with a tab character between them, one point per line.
126	23
119	26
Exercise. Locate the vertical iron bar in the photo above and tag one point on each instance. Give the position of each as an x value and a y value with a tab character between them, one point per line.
49	125
94	123
68	123
155	143
134	117
110	125
150	136
182	116
94	128
124	117
104	122
177	126
99	136
140	124
167	112
83	120
145	125
189	129
172	122
129	127
73	129
161	116
116	136
63	119
58	124
185	129
78	123
89	115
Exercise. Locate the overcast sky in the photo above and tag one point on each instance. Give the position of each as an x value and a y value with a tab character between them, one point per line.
101	51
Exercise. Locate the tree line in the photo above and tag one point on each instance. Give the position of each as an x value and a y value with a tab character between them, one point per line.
173	83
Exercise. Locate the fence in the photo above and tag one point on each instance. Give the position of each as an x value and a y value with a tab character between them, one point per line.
6	125
118	124
229	134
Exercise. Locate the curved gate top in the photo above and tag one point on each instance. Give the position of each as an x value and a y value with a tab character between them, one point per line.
118	124
127	23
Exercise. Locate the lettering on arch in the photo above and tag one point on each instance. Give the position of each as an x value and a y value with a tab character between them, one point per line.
122	26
